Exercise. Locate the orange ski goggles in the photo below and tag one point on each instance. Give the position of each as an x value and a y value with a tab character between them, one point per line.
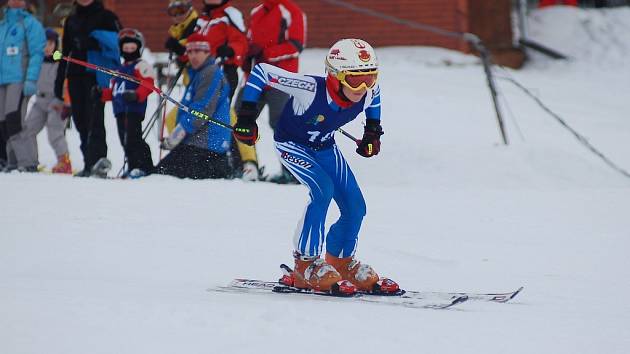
358	80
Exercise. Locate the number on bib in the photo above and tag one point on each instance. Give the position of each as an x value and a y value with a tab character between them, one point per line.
314	134
118	89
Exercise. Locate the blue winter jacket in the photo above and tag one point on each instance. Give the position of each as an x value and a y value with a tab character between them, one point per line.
22	42
208	92
108	56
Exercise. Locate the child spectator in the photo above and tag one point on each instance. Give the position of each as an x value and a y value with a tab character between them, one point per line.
46	111
130	102
199	148
184	18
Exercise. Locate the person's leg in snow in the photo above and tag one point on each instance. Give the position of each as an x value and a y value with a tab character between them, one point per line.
328	176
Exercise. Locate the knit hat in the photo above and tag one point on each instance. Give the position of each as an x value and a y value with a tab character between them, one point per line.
197	41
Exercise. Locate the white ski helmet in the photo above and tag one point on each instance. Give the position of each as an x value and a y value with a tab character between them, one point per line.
352	57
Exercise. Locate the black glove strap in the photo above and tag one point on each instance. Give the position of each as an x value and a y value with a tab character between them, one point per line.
373	126
248	112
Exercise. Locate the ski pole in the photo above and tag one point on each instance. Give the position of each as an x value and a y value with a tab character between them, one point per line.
58	56
348	135
161	106
156	113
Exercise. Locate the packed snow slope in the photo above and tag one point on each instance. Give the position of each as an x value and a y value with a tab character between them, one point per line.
113	266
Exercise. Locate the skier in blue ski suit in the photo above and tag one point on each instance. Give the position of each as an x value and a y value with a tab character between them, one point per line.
305	141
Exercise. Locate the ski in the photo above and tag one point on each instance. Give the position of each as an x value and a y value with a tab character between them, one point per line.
491	297
400	298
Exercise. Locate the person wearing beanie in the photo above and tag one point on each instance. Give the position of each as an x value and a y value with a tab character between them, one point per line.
198	147
46	112
224	27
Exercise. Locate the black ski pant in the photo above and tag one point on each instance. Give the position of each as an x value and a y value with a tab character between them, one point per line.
231	74
136	149
187	161
3	146
88	117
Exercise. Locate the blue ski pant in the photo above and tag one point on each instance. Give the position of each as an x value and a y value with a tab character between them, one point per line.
327	176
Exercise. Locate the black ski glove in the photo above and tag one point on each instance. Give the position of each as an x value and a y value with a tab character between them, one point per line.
225	51
246	129
174	46
370	144
130	96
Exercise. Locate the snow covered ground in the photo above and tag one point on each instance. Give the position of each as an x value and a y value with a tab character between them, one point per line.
106	266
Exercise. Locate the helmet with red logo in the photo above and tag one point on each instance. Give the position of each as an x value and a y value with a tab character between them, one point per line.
353	63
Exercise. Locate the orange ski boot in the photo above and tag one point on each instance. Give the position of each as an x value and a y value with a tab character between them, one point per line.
314	273
63	165
359	274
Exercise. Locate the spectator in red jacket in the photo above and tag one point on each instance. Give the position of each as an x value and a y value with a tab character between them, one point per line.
224	28
277	36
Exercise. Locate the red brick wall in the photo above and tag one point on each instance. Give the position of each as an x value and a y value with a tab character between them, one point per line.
149	16
327	23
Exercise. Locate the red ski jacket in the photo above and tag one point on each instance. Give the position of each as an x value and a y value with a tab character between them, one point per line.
278	27
225	25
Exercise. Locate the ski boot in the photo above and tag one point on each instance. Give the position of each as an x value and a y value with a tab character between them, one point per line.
101	168
86	172
250	171
63	165
28	169
136	173
314	273
362	275
9	168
